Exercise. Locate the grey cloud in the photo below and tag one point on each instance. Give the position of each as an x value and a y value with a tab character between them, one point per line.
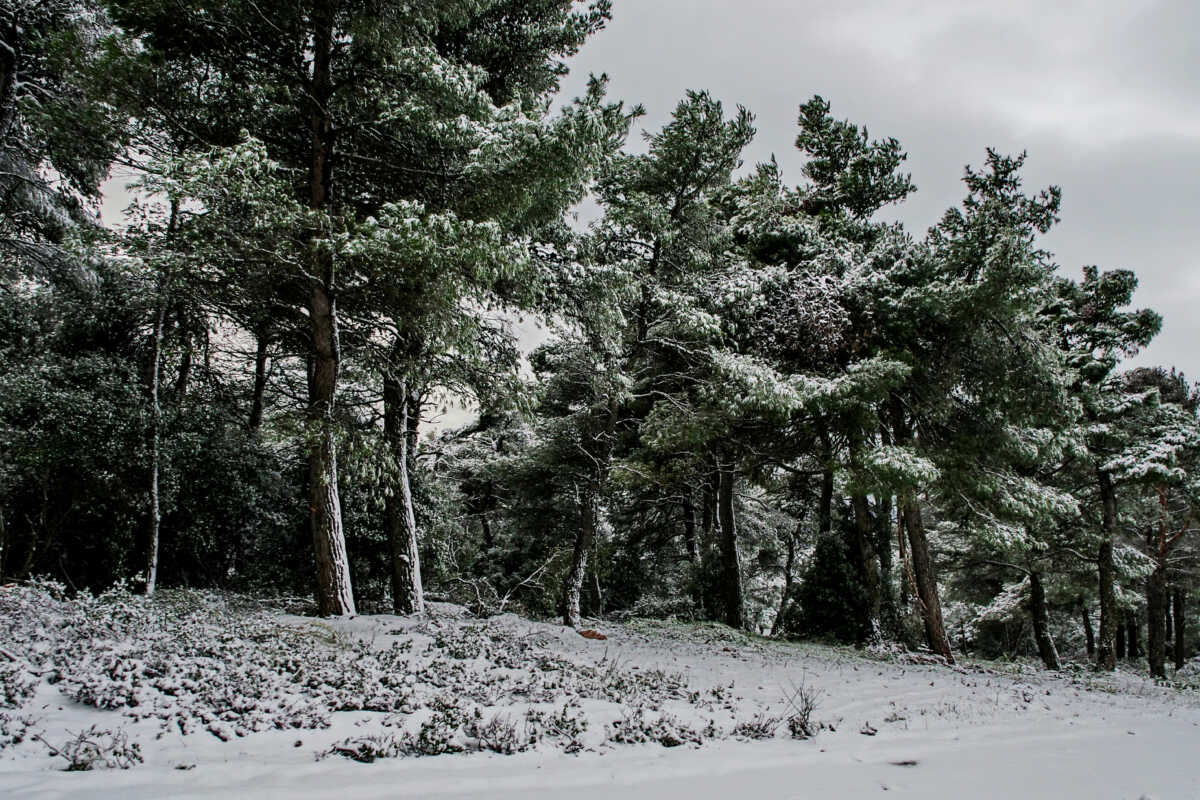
1103	95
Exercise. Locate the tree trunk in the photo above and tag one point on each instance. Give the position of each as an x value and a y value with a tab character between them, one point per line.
1135	650
1088	634
584	536
1156	611
162	289
1119	645
10	57
870	631
334	593
155	441
1177	612
485	527
689	529
731	568
1106	655
408	595
185	359
788	581
260	380
708	511
926	580
883	550
1168	627
1041	623
924	575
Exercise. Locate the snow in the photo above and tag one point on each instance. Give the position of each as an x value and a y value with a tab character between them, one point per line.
975	730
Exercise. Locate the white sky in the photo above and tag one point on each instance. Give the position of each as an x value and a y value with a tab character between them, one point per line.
1104	95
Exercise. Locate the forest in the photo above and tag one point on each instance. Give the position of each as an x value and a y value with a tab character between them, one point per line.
723	394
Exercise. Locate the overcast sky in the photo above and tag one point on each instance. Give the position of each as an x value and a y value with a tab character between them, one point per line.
1103	94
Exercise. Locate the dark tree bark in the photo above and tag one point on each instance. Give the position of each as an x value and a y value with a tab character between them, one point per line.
1178	599
408	596
708	510
883	550
731	568
1106	655
1088	634
334	593
1167	624
1156	613
1134	648
184	375
1119	645
1041	622
870	630
924	574
789	566
11	35
257	400
689	529
584	536
926	580
589	507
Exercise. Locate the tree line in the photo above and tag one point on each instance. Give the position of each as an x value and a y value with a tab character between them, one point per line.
754	401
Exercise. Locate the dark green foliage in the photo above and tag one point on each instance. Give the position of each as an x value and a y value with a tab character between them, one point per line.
829	599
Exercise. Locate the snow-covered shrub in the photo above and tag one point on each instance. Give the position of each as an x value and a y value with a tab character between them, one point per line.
802	702
567	726
761	726
365	749
636	726
97	748
499	734
14	728
17	682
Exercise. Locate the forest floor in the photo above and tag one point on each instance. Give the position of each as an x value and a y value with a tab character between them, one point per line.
205	696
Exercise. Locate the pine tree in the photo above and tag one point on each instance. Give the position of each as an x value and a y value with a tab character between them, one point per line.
359	103
1094	330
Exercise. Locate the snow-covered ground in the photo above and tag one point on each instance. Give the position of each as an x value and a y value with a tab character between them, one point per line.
885	725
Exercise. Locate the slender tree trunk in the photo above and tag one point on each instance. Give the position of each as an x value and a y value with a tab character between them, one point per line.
731	568
926	580
485	527
1106	656
692	542
1156	611
10	56
689	529
1135	649
883	549
868	571
408	595
1177	612
924	574
1168	627
334	593
262	345
154	514
708	511
1088	634
1120	642
788	581
584	536
1041	622
185	359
